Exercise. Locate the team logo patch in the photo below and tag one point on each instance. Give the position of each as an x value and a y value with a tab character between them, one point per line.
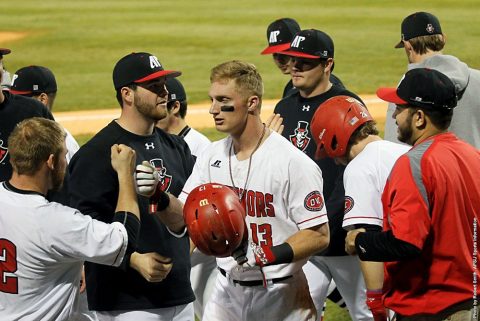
165	180
300	138
3	152
348	204
314	201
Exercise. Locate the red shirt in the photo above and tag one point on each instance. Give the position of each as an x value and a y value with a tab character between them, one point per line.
432	200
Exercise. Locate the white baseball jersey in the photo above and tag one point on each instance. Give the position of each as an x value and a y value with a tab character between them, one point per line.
42	249
196	141
364	179
283	195
72	145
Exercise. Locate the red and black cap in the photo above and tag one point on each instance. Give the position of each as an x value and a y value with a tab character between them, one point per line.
139	67
422	87
279	34
4	51
32	80
311	43
419	24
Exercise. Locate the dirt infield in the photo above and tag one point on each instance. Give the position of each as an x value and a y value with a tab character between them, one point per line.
89	122
7	36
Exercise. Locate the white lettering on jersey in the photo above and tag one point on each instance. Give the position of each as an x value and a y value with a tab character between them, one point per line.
154	63
297	40
273	36
306	108
149	145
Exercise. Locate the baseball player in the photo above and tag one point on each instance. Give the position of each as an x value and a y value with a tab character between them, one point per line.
14	109
39	83
312	53
285	211
343	129
430	199
155	285
423	42
203	270
44	244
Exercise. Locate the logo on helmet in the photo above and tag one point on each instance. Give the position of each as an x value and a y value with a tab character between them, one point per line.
314	201
164	179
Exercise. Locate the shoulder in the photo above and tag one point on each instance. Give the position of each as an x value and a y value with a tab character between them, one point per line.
289	153
28	107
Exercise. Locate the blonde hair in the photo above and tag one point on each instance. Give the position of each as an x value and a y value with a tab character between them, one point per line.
32	142
424	43
246	76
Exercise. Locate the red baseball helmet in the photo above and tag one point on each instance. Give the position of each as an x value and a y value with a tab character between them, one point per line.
334	122
215	219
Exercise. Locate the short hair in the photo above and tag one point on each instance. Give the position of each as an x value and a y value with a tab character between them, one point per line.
424	43
362	132
440	118
119	93
32	142
182	112
246	76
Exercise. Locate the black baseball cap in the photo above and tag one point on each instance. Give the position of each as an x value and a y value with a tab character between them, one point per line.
422	87
175	90
419	24
33	80
311	43
139	67
4	51
279	34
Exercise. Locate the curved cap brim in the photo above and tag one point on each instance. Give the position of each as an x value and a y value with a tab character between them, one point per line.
299	54
390	95
275	49
158	74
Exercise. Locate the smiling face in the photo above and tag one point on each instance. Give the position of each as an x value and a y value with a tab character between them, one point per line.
150	99
225	93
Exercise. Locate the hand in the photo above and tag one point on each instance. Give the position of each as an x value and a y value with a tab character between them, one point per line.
152	266
350	241
83	283
275	123
122	158
146	179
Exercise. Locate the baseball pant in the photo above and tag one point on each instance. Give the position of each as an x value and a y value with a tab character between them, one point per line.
177	313
345	271
202	277
287	300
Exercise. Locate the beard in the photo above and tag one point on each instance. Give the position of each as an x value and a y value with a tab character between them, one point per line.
405	131
148	110
57	178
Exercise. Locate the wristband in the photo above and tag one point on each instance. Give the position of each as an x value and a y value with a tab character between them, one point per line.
270	255
159	201
375	304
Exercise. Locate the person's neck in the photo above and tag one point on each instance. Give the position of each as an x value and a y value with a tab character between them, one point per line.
136	123
419	58
426	134
319	89
245	143
177	125
35	183
360	146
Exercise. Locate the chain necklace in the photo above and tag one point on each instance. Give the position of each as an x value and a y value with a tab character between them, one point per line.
242	192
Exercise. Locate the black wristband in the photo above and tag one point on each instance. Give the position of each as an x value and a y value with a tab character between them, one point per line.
159	201
283	253
163	201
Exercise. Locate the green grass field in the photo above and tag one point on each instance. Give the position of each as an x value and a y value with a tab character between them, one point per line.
81	40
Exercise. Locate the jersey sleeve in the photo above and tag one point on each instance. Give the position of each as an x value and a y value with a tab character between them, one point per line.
199	176
406	213
304	194
78	236
362	196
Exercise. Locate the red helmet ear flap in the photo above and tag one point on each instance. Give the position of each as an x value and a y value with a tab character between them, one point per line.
215	219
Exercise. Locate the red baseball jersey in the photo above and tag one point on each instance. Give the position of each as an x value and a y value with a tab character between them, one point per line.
431	200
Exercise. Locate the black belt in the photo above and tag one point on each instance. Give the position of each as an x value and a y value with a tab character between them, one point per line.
254	282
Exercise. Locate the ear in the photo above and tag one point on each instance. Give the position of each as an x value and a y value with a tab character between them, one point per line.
252	103
127	95
51	162
420	119
43	98
329	64
176	108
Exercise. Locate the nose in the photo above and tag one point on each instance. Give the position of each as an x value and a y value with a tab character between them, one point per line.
214	108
